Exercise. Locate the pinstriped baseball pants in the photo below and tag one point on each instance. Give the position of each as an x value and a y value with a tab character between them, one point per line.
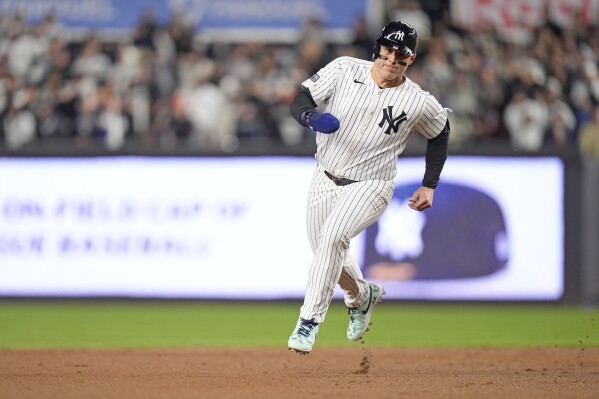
336	214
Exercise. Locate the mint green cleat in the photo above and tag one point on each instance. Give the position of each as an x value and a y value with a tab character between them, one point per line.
359	318
303	337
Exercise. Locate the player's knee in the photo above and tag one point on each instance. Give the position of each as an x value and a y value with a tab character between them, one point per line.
336	241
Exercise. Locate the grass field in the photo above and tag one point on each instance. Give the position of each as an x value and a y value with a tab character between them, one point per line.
159	324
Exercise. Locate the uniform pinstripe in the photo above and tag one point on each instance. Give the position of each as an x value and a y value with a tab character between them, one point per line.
375	125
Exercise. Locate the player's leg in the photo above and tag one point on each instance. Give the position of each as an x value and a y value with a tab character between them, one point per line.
358	206
355	288
360	297
321	198
334	216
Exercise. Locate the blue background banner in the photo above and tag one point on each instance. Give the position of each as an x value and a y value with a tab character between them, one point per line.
87	14
203	14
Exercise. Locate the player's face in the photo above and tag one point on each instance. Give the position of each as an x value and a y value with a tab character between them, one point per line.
395	64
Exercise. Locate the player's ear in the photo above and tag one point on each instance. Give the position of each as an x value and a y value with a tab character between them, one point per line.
412	59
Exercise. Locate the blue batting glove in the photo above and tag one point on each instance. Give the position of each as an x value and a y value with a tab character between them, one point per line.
324	123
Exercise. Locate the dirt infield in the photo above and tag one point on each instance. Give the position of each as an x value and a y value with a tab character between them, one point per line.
278	373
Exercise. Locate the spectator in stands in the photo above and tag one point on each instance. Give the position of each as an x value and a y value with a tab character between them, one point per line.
362	41
24	49
411	12
489	102
20	125
588	141
526	120
562	120
437	69
111	120
92	62
207	108
143	33
462	100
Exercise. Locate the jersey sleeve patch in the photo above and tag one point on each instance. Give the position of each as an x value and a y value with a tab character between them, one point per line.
314	77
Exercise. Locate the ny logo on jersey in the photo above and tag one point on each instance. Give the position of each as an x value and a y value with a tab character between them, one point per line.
393	122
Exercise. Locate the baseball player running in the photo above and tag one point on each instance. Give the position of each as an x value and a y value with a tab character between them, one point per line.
370	109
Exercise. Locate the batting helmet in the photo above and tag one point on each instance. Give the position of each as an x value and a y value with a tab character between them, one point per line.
398	36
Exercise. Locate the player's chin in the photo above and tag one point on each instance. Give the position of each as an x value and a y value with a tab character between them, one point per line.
390	74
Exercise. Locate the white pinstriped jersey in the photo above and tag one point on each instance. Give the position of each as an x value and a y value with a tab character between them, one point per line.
375	123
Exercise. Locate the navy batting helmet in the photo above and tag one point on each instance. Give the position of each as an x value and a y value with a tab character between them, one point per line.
398	36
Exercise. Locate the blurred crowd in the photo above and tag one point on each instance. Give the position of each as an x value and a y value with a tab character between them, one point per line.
532	87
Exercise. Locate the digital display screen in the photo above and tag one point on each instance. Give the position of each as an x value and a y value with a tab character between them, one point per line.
234	228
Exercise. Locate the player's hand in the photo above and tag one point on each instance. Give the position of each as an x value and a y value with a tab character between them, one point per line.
421	199
324	123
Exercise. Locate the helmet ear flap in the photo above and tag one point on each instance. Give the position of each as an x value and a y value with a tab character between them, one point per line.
376	50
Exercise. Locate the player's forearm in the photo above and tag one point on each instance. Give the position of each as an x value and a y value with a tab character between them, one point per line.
302	102
436	154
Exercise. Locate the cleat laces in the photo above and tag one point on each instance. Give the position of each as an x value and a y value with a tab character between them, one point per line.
306	327
352	312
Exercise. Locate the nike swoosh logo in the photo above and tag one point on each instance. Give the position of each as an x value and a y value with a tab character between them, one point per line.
369	302
357	81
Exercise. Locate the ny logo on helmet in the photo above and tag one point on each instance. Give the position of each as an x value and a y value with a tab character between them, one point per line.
393	122
397	36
